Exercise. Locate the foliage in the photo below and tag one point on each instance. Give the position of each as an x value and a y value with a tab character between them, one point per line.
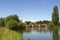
59	24
39	22
12	24
28	22
21	26
51	24
2	24
55	15
42	22
14	17
6	34
46	21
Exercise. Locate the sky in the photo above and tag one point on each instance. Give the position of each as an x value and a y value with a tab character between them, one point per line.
29	10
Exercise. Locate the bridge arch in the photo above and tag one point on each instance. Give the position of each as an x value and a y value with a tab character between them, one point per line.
36	26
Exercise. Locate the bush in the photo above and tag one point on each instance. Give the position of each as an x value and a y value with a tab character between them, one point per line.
21	26
12	24
6	34
51	25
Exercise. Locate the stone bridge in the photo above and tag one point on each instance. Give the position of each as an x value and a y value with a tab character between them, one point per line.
36	26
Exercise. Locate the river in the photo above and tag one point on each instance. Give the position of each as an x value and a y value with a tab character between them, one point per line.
41	35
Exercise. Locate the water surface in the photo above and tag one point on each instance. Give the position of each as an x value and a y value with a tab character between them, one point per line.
41	35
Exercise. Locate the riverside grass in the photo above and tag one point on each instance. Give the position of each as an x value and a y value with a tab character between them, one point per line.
6	34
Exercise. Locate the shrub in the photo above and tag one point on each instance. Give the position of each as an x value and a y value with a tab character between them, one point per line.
51	25
12	24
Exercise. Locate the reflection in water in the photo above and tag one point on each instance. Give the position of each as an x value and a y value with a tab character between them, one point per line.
41	34
55	34
37	35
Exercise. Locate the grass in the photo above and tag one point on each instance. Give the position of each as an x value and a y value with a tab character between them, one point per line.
6	34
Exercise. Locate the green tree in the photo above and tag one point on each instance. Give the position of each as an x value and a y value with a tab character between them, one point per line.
12	21
59	24
39	22
28	22
2	24
46	21
12	24
55	16
14	17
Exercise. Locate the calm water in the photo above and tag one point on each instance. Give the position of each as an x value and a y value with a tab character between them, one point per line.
42	35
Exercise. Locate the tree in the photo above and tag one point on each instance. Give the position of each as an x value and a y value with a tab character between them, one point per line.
11	18
39	22
14	17
21	26
28	22
2	24
12	24
55	16
46	21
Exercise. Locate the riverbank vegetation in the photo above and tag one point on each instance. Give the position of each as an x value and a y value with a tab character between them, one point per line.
6	34
10	27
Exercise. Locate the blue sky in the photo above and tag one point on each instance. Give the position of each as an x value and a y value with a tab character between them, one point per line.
31	10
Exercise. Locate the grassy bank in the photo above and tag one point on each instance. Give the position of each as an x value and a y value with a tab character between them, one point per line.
6	34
